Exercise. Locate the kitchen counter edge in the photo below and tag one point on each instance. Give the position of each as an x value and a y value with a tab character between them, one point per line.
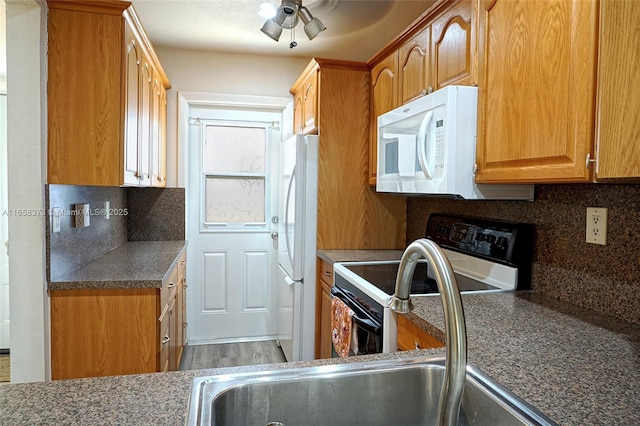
134	264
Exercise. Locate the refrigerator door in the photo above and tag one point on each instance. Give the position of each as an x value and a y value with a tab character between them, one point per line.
297	240
289	294
291	209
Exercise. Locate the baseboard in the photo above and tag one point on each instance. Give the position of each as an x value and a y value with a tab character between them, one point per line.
192	342
5	352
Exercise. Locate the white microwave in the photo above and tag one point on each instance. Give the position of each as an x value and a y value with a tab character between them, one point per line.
428	147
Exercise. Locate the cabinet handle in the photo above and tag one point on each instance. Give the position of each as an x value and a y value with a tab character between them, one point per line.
429	89
166	340
417	345
186	324
184	262
589	161
171	284
327	273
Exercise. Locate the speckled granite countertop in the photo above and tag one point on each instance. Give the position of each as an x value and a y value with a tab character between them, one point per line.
147	399
332	256
135	264
576	366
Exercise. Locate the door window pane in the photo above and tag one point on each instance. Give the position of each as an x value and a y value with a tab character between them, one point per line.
234	149
234	174
229	199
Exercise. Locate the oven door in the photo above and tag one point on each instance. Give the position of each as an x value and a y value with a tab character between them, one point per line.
366	321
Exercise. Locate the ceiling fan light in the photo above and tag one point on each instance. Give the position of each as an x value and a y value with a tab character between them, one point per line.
288	7
272	29
313	28
305	15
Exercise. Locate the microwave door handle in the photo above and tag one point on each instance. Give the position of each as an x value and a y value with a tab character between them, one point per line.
423	137
286	215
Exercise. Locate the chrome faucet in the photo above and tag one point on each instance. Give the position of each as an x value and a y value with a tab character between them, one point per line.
456	361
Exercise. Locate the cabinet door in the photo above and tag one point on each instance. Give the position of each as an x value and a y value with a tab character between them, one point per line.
325	325
323	310
414	73
412	337
133	61
157	141
454	50
162	173
537	83
298	114
310	101
144	133
165	321
384	97
618	129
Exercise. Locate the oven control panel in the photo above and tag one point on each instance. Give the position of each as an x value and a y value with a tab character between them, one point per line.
506	242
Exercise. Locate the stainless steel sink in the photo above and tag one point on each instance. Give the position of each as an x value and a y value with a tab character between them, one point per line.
392	392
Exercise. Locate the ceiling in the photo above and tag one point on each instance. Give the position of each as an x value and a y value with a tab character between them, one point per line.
356	29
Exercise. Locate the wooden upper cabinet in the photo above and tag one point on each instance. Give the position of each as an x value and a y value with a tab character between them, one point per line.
310	99
384	97
305	107
414	63
133	62
343	186
437	50
454	47
618	127
298	108
536	102
99	94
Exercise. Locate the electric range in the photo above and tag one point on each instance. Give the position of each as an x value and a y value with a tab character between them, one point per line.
486	256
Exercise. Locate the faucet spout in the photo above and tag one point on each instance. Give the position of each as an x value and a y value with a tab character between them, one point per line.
455	329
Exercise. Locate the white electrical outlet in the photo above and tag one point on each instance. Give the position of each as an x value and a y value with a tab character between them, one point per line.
597	225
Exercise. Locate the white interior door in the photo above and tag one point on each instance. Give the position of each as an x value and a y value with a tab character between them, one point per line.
231	199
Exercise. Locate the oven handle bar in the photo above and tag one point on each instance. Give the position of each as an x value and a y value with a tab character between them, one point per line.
362	318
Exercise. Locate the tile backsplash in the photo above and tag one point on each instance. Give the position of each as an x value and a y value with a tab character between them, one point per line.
138	214
603	278
156	214
72	248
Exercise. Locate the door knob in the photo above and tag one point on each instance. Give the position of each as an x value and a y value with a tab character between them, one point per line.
274	235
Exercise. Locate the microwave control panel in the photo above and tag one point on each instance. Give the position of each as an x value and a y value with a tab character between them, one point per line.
437	139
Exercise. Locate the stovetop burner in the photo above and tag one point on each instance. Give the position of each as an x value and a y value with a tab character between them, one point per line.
383	276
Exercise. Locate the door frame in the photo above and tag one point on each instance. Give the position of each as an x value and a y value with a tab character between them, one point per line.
187	100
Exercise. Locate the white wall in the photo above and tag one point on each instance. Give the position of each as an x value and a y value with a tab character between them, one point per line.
225	73
26	118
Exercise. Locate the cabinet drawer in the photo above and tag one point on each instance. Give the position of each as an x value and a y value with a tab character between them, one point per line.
165	336
326	272
411	337
169	286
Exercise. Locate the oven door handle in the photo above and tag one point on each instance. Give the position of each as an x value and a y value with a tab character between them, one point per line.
367	324
359	315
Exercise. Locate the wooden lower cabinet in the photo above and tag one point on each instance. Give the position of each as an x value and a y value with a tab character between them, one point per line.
411	337
105	332
323	310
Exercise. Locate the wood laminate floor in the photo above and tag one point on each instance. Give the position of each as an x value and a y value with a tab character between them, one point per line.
5	375
196	357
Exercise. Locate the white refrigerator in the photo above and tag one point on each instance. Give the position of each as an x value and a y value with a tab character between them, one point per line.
297	246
